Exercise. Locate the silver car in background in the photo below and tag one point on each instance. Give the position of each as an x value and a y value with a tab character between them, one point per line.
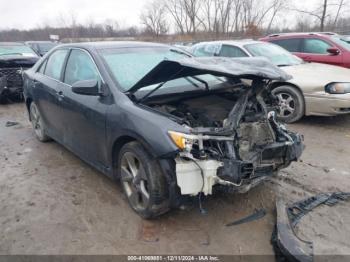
315	89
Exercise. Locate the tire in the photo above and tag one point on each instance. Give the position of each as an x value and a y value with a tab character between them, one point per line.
143	182
291	104
37	123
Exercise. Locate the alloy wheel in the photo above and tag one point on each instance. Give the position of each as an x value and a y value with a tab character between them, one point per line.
286	104
135	181
36	121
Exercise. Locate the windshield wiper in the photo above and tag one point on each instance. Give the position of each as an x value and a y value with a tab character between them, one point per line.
202	81
158	86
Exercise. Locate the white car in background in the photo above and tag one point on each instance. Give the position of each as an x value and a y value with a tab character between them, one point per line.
315	89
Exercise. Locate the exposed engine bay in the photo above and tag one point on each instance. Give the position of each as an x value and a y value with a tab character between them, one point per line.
234	140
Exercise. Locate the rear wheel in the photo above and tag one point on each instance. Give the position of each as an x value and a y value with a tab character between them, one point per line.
37	123
291	103
143	182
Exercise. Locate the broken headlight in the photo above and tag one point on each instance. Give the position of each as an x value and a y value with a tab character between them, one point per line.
338	88
181	140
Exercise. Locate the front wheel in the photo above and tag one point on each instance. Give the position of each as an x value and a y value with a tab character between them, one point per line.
143	182
291	104
37	123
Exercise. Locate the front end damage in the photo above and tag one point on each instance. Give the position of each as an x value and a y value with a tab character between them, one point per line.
11	79
238	152
232	137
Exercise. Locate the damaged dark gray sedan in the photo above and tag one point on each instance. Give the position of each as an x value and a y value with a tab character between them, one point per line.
167	125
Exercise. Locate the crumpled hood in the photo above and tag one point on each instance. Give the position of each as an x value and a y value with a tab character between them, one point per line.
17	61
250	68
315	74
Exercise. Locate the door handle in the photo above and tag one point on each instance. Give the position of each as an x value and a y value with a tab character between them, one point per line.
35	82
60	95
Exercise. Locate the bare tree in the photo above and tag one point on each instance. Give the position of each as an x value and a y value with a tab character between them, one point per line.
327	9
341	5
176	10
154	18
277	7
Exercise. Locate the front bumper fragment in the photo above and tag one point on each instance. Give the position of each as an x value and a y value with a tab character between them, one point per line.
286	242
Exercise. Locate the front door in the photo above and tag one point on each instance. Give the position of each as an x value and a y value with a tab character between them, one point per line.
315	50
84	116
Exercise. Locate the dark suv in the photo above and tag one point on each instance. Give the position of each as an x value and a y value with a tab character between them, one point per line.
14	59
327	48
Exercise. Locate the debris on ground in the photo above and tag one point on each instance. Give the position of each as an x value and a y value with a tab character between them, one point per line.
299	209
258	214
11	123
287	245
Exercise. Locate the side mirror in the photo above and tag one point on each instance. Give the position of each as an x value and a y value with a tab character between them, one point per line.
333	51
86	87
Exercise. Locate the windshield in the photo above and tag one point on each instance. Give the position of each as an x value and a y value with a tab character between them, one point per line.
16	50
277	55
128	66
342	41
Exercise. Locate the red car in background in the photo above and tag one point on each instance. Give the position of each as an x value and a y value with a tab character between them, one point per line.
327	48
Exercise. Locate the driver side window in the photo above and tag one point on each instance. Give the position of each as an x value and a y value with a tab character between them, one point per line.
80	67
315	46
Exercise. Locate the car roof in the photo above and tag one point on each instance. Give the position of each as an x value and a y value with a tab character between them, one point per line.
114	44
10	43
301	34
239	43
39	42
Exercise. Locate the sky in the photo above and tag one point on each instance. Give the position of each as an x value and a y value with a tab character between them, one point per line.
26	14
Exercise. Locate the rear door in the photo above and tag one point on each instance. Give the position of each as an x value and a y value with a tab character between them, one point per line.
84	116
315	50
47	93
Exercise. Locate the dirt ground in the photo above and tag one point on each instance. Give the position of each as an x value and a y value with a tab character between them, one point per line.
53	203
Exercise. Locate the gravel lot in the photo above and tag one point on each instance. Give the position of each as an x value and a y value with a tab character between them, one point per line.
53	203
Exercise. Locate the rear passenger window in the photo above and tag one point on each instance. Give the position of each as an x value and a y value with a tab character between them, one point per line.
80	67
55	64
292	45
232	51
315	46
207	50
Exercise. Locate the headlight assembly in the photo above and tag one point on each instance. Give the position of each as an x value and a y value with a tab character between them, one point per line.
338	88
182	141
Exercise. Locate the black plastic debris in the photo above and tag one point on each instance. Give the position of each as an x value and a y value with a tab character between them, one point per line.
11	123
299	209
287	245
258	214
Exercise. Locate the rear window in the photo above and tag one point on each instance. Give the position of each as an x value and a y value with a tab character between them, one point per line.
207	50
292	45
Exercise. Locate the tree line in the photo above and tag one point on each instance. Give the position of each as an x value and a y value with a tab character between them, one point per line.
211	18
